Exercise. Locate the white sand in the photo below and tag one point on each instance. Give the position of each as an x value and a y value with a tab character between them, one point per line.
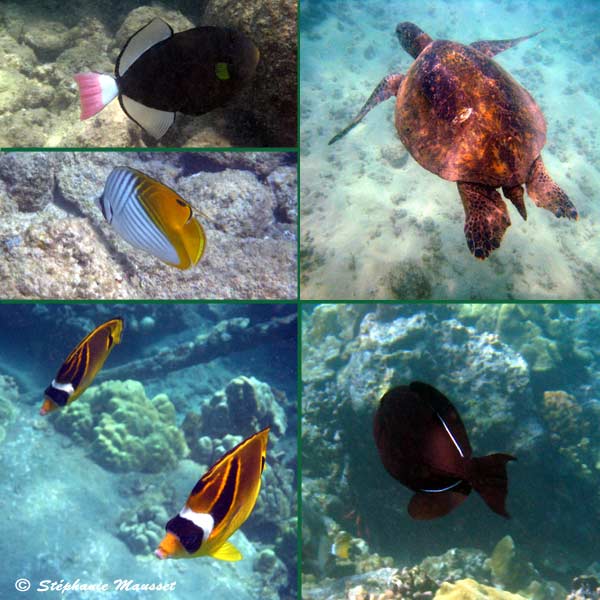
375	230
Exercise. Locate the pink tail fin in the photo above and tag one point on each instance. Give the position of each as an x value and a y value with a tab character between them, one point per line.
488	478
95	92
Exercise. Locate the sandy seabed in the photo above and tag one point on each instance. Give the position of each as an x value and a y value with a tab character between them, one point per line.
375	225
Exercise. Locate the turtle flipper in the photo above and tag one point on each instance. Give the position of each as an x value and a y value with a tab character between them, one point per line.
546	194
387	88
492	47
486	218
515	195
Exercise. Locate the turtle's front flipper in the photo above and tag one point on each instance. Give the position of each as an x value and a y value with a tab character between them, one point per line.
486	218
546	194
387	88
492	47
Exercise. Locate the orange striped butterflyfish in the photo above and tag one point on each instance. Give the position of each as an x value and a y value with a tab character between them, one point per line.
152	217
218	505
81	366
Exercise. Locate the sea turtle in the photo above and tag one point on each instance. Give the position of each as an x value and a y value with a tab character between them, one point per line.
464	118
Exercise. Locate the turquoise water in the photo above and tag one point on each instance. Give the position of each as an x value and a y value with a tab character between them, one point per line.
377	225
87	493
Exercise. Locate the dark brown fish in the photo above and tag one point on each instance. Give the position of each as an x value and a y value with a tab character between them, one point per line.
160	73
423	444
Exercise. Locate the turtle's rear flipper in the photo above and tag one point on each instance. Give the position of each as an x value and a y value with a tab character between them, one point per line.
492	47
387	88
546	194
486	218
515	195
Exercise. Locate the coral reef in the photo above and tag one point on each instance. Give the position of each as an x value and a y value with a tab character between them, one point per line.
54	241
510	569
469	589
272	26
43	47
353	353
584	588
123	429
571	434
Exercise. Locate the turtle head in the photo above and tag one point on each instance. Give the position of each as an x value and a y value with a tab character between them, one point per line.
411	38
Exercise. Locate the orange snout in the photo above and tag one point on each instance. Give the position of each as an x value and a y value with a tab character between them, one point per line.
170	547
47	406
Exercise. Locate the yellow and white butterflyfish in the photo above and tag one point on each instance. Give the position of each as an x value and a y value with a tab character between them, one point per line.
81	366
152	217
220	502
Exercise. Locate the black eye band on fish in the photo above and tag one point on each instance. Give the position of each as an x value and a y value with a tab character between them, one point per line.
159	73
423	443
219	503
81	366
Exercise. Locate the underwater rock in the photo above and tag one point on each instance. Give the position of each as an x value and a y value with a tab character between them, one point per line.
272	97
273	573
29	182
36	267
142	528
541	333
455	564
232	335
141	16
388	353
510	569
250	249
382	584
234	199
245	406
469	589
584	587
123	429
260	163
571	433
408	281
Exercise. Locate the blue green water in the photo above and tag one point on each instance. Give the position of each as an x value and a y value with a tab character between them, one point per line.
524	379
376	225
75	512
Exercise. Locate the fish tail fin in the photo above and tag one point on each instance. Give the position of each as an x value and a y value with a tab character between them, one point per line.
96	90
489	479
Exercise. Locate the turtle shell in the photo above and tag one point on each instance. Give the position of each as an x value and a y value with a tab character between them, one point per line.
464	118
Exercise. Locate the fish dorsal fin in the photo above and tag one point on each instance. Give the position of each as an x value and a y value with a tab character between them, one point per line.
155	122
143	39
227	552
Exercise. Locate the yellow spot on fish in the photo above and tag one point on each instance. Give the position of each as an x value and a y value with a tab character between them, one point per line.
222	71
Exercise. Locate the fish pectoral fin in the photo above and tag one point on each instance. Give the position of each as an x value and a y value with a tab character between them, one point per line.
155	122
227	552
424	506
143	39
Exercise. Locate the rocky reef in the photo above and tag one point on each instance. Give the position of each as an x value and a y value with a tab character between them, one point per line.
523	379
44	46
55	243
123	429
458	574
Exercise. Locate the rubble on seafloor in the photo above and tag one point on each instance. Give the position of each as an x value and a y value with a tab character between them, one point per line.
458	574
